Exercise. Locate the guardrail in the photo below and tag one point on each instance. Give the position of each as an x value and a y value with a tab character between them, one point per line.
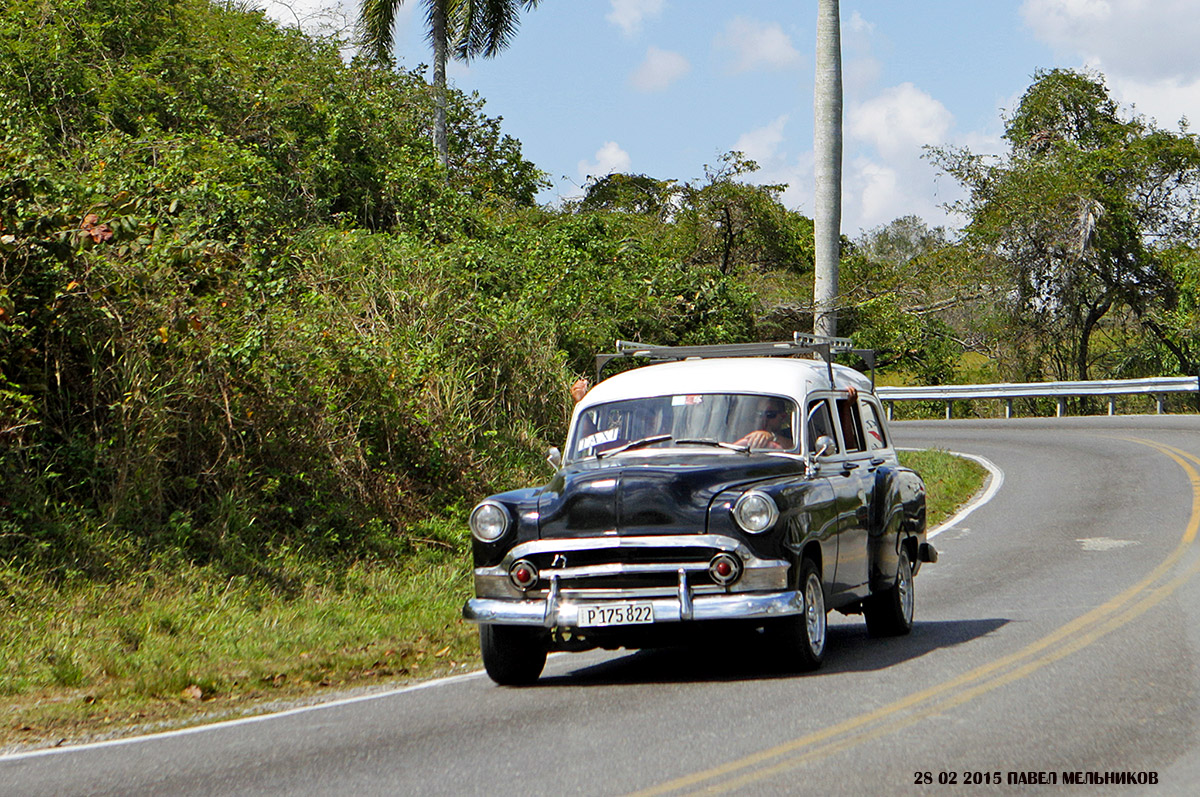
1156	386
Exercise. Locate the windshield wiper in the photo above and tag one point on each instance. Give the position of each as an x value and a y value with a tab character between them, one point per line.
645	441
708	441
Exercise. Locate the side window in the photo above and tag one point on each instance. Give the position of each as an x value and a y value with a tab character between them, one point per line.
819	423
872	427
851	428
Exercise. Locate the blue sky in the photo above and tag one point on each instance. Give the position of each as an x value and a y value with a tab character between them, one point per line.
664	87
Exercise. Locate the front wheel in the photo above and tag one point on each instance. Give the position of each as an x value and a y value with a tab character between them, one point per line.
800	638
890	613
512	655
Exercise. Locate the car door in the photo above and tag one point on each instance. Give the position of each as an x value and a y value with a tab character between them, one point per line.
853	478
822	505
882	551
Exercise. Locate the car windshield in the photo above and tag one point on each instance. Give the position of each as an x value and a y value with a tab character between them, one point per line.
741	420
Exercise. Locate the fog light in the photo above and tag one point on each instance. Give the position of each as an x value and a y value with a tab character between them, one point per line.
724	569
523	573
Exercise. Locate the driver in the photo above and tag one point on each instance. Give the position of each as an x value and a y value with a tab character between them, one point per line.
771	419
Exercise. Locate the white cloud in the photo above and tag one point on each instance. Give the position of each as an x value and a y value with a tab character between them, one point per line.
629	15
1145	49
799	176
608	159
659	70
333	18
1166	101
900	121
762	145
878	192
861	69
887	175
1149	40
875	193
859	26
757	45
859	75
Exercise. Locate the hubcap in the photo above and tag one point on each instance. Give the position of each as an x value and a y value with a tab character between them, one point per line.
814	613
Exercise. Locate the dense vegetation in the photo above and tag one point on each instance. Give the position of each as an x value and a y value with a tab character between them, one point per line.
243	311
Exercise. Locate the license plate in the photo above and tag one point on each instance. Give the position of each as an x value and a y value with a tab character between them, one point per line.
615	614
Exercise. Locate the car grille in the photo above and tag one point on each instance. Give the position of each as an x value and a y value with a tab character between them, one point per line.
621	572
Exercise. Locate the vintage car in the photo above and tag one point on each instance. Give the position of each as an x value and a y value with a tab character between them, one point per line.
715	489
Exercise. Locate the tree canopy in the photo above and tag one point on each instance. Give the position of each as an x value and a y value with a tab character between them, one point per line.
1078	228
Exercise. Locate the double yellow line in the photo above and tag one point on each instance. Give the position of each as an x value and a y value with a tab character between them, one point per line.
1069	638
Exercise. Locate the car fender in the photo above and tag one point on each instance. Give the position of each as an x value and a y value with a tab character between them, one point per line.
897	519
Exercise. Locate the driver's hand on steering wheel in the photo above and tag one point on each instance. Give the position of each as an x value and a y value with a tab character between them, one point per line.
760	438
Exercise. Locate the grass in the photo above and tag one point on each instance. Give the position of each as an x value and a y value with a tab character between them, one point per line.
950	481
84	658
181	643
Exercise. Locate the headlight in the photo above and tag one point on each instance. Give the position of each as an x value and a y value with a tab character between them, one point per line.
489	521
755	512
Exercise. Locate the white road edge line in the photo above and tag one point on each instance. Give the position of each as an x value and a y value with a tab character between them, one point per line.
222	724
995	480
991	487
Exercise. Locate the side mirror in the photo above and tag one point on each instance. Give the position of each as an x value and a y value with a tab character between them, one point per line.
825	445
554	457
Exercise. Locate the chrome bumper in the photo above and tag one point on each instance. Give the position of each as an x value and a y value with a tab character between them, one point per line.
758	575
555	612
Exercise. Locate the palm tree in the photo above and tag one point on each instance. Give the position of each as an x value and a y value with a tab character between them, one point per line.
463	28
827	146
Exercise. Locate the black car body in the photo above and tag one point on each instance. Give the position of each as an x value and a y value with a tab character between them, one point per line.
756	491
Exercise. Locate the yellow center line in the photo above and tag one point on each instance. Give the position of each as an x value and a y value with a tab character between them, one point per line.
901	722
1067	639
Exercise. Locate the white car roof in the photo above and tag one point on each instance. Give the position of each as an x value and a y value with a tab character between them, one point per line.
756	375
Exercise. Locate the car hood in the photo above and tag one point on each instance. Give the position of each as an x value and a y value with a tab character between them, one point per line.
645	495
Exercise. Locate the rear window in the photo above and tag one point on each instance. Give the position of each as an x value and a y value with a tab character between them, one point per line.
872	427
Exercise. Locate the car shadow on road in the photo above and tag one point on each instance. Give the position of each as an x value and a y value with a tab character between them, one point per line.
748	657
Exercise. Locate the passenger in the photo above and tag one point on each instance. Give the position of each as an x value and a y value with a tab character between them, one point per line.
772	419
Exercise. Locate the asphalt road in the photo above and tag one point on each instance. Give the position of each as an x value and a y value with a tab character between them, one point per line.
1056	638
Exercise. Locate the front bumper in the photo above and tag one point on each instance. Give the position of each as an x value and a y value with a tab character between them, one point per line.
555	612
669	572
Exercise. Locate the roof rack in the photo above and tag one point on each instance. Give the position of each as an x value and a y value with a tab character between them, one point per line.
801	343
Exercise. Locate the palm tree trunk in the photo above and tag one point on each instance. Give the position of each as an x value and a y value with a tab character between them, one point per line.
440	48
827	150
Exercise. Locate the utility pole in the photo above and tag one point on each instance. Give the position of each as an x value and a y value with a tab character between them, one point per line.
827	151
